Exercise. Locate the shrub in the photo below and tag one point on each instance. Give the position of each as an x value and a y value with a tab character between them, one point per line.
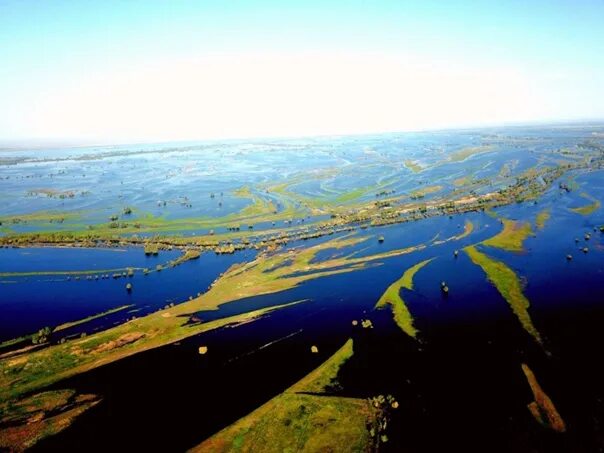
41	336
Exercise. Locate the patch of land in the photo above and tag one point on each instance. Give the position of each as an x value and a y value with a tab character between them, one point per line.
35	370
421	193
303	418
589	208
259	206
280	271
463	181
26	341
508	284
542	408
47	217
413	166
78	322
512	237
119	270
465	153
468	228
542	217
266	274
392	297
190	254
52	193
25	423
149	249
375	213
322	379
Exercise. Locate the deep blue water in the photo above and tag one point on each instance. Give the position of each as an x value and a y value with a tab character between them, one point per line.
29	303
462	376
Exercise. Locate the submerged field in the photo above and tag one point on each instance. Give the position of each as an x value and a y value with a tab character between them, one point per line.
334	294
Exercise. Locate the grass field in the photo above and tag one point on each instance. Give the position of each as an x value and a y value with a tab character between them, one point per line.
589	208
512	237
303	418
508	284
392	297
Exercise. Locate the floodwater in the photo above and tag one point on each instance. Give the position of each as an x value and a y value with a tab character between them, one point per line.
463	379
29	303
460	384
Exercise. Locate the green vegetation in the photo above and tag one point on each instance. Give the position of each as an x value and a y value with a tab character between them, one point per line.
512	237
78	322
260	210
464	153
330	202
467	230
491	214
542	217
119	270
25	423
392	296
299	421
421	193
41	336
294	420
351	196
259	207
243	192
542	408
32	371
532	182
14	341
190	254
508	284
40	217
266	274
292	206
590	208
463	181
151	249
324	378
413	166
278	272
52	193
506	169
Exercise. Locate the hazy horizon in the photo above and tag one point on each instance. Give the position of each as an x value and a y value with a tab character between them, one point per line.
17	145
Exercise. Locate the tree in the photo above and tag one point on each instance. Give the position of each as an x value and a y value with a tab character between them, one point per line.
41	336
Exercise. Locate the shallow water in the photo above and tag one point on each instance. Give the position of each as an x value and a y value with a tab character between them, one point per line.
460	384
464	376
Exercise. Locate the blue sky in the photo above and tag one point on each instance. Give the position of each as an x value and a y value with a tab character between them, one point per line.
143	70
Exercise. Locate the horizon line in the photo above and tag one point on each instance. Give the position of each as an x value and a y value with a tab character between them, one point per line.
19	144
